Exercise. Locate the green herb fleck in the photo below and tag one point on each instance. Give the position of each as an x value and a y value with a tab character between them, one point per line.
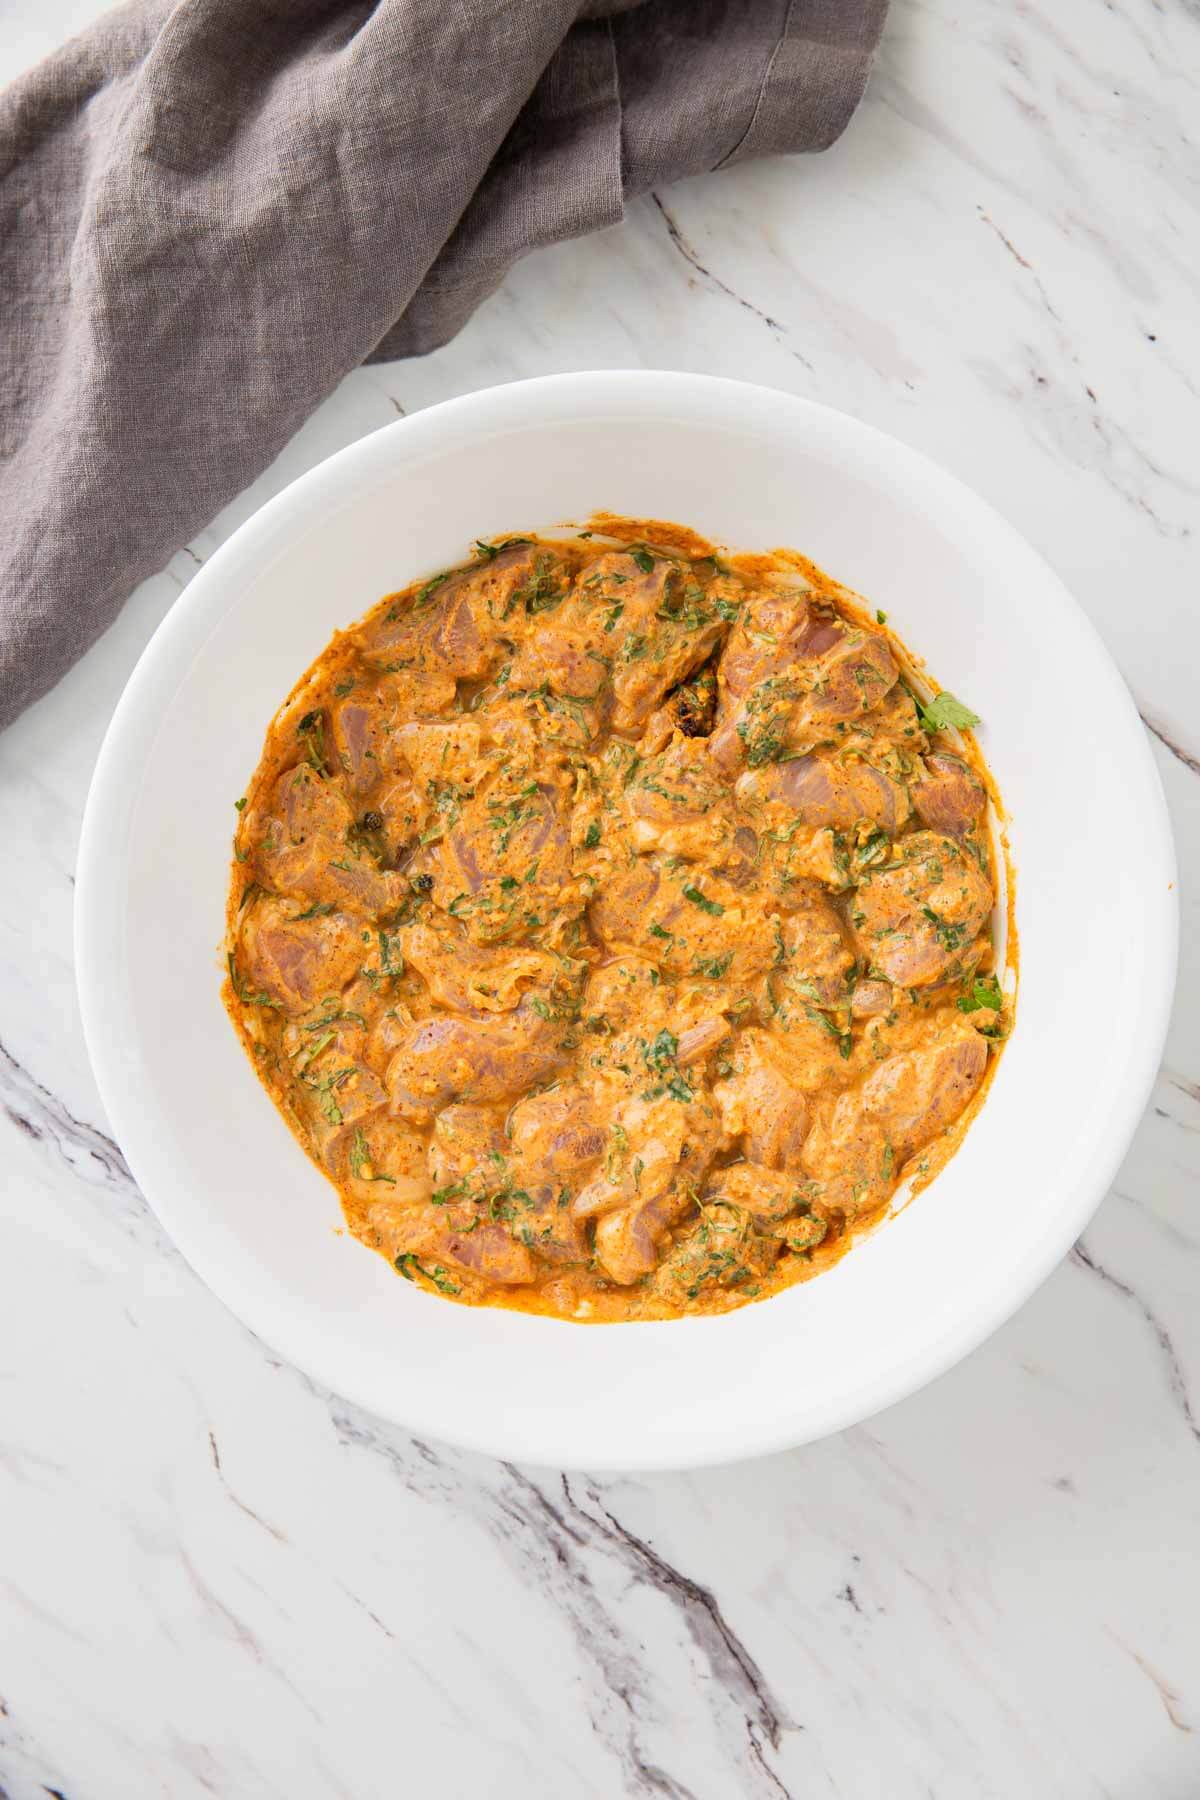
844	1039
243	993
983	992
949	936
360	1161
945	710
411	1266
703	902
714	967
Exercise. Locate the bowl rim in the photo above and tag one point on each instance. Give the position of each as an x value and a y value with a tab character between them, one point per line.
146	700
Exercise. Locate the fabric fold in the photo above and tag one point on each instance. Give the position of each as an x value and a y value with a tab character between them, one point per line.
211	211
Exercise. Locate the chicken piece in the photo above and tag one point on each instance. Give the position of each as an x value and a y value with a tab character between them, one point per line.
919	1093
635	623
472	980
890	735
687	923
336	1028
431	1250
871	998
766	1194
340	1100
557	1133
571	653
379	1155
700	1040
760	1105
363	725
949	797
667	632
622	992
859	1144
493	1254
917	917
312	846
557	1137
441	753
678	804
503	867
791	675
824	788
851	679
509	831
777	632
779	1205
819	960
547	1226
294	958
484	1174
457	623
568	656
388	1031
443	1059
468	1149
403	814
724	1249
658	1149
627	1241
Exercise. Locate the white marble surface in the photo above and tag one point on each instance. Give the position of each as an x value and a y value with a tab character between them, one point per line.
217	1579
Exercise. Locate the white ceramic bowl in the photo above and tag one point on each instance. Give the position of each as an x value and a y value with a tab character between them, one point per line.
1095	907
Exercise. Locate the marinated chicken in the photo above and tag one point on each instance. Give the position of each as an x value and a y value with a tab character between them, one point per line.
613	924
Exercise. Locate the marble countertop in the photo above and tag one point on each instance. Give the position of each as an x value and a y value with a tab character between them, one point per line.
220	1579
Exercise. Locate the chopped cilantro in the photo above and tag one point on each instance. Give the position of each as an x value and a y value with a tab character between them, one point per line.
949	936
703	902
845	1041
945	710
983	992
425	594
244	994
714	967
411	1266
360	1161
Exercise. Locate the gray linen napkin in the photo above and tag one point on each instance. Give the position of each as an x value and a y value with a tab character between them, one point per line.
210	211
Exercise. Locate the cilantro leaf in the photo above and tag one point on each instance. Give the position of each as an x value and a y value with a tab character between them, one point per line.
984	991
945	709
703	902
